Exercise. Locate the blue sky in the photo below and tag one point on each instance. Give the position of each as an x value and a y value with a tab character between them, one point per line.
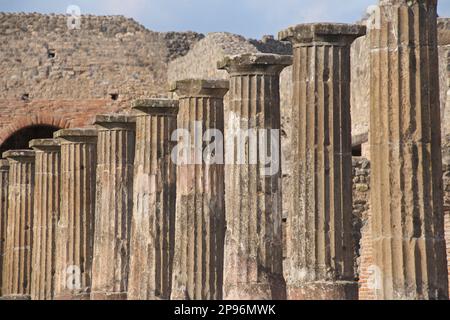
251	18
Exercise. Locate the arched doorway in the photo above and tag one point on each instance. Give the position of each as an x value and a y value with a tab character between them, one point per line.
21	138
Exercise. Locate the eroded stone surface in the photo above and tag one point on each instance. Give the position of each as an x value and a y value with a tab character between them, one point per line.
200	205
253	243
46	215
153	221
320	250
4	172
75	229
405	147
114	204
17	255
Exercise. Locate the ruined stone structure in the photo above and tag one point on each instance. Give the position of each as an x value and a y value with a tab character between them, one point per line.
75	229
55	78
200	203
4	171
153	221
17	251
46	214
110	209
114	205
253	247
406	179
319	230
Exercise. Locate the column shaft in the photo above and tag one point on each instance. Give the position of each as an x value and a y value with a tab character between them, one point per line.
406	183
17	257
4	172
46	215
153	222
114	204
253	243
319	231
75	229
200	205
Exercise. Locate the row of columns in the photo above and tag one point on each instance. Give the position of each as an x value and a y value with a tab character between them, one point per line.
122	212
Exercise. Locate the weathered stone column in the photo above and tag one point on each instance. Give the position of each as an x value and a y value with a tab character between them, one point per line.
253	267
405	148
4	172
153	221
46	215
17	257
114	205
75	229
200	205
319	236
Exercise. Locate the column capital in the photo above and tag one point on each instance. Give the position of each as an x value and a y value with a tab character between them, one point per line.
408	3
24	155
340	34
115	122
199	87
251	63
4	165
157	107
45	145
75	135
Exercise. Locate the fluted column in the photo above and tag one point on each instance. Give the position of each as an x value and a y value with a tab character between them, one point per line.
153	221
114	204
253	267
17	256
4	172
46	215
75	229
405	146
200	205
319	232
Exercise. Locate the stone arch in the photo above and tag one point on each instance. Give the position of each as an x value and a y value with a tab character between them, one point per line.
21	124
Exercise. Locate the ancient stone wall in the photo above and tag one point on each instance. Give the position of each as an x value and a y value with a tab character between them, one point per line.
446	187
53	75
361	225
361	80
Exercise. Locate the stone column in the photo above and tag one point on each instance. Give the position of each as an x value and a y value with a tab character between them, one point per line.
405	148
319	233
46	215
253	267
200	205
75	229
4	172
17	256
153	221
114	204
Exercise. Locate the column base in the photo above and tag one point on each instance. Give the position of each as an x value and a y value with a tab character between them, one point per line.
73	296
256	291
340	290
16	297
108	296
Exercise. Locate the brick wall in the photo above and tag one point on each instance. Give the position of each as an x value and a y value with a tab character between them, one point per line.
65	76
362	218
447	213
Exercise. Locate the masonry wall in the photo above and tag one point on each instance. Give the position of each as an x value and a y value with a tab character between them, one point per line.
361	223
59	75
201	63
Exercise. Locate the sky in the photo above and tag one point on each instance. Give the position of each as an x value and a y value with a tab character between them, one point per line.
251	18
